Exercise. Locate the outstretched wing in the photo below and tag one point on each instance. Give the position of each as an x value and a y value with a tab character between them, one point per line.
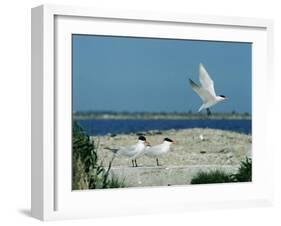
206	81
202	93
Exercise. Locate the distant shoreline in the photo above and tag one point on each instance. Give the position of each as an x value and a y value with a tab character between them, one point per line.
160	116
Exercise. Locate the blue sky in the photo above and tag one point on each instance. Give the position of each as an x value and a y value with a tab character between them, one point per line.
151	75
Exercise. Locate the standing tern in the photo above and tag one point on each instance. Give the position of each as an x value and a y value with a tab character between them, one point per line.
206	91
160	149
133	152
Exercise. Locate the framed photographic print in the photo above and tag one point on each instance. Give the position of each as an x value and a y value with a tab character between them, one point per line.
137	112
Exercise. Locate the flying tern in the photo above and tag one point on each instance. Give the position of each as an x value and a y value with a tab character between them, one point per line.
160	149
133	152
206	91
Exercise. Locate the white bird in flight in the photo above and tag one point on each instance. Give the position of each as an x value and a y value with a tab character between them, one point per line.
160	149
206	91
133	152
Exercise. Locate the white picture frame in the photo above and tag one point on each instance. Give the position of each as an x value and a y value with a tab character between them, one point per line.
52	197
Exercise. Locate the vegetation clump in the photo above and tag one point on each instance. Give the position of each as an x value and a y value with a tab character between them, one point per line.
244	174
87	171
215	176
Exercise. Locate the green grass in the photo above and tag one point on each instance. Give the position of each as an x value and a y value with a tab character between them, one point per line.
244	174
211	177
87	171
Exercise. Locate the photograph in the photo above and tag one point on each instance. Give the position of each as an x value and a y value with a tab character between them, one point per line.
160	112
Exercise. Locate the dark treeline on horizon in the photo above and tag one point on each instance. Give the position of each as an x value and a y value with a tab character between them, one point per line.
90	112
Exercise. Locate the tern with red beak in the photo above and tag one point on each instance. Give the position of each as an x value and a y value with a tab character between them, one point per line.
133	152
160	149
206	91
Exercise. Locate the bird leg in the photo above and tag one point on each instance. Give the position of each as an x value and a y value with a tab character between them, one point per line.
136	163
133	163
208	111
157	162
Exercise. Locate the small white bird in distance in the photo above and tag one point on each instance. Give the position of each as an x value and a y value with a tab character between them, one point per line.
206	91
133	152
160	149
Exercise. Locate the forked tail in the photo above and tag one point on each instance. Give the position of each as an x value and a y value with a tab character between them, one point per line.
114	150
201	108
208	111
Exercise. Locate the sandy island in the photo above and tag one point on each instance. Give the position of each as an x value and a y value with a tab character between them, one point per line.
219	149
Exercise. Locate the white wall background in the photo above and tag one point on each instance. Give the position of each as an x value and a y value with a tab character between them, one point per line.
15	111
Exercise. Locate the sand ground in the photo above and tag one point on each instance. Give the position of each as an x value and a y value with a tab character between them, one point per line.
218	147
218	150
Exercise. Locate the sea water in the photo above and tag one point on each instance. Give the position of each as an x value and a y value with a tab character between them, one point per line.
96	127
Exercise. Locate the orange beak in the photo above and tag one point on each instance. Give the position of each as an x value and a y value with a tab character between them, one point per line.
174	142
146	142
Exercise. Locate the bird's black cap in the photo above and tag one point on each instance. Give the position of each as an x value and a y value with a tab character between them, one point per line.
142	138
222	96
168	139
